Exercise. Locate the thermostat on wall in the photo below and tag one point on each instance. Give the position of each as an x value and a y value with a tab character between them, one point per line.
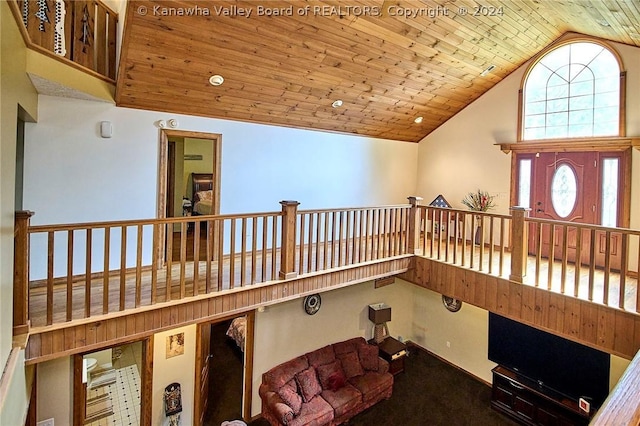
106	129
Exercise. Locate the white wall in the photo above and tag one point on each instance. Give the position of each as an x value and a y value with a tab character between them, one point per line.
180	369
285	331
73	175
55	391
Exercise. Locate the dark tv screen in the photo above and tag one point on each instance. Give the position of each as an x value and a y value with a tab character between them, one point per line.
559	364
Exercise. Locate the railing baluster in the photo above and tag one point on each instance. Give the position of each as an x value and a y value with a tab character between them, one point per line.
502	246
301	244
232	255
87	293
50	258
265	233
220	257
592	261
243	253
638	278
138	267
552	245
491	236
154	263
196	255
123	266
274	239
183	258
539	237
106	268
607	268
70	275
169	260
565	255
481	244
254	249
578	263
312	245
464	239
624	269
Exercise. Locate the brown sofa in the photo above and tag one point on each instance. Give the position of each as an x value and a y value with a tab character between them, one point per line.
327	386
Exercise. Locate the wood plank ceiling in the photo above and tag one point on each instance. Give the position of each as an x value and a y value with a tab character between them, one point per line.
386	67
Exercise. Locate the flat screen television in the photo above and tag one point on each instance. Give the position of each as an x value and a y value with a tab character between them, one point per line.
567	367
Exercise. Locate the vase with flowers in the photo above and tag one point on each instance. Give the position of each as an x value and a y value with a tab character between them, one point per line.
479	201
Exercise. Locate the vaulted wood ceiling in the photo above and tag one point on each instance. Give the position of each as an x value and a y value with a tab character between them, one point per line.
387	68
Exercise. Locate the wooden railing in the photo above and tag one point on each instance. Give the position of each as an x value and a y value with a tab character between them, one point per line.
69	272
589	262
341	237
83	270
81	33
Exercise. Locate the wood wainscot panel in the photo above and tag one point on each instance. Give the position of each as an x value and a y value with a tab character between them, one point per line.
79	336
608	329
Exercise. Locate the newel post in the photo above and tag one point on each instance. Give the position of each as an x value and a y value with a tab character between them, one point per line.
21	272
413	233
288	247
519	243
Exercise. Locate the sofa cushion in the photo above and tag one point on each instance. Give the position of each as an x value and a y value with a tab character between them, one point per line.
283	373
291	397
351	364
321	356
313	413
368	355
371	384
308	384
343	400
350	345
331	375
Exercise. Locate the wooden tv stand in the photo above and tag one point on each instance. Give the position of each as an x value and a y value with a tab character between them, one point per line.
525	401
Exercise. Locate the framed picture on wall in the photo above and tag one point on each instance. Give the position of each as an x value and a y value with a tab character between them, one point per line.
175	345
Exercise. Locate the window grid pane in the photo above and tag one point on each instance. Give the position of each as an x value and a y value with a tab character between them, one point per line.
574	91
610	192
524	184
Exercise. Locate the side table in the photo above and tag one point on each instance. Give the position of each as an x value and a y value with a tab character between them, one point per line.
394	352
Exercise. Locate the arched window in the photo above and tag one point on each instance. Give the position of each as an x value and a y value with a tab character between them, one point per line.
573	91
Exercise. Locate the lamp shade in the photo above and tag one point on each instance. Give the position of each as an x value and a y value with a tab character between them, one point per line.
379	313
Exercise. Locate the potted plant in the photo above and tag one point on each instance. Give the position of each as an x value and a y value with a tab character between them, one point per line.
479	201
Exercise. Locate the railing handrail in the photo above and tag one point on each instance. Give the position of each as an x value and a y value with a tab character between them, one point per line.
145	222
583	225
453	210
350	209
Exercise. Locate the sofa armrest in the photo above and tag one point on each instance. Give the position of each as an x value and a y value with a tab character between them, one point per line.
383	366
278	409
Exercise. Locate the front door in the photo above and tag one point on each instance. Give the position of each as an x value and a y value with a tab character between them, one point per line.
581	187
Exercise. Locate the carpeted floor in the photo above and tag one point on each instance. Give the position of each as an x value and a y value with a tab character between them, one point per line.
431	392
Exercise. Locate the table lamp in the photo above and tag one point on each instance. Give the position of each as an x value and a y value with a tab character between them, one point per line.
380	314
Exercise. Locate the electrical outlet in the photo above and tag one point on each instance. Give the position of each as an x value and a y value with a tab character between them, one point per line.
448	344
48	422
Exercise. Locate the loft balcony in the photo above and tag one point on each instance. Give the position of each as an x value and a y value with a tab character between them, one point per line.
71	46
80	287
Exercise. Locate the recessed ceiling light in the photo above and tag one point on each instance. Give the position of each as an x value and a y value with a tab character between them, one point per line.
488	70
216	80
603	22
418	120
337	103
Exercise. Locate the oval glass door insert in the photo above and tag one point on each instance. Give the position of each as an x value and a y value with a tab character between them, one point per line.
564	190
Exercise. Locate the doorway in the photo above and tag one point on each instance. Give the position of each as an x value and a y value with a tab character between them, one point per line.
580	187
224	370
112	384
189	169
